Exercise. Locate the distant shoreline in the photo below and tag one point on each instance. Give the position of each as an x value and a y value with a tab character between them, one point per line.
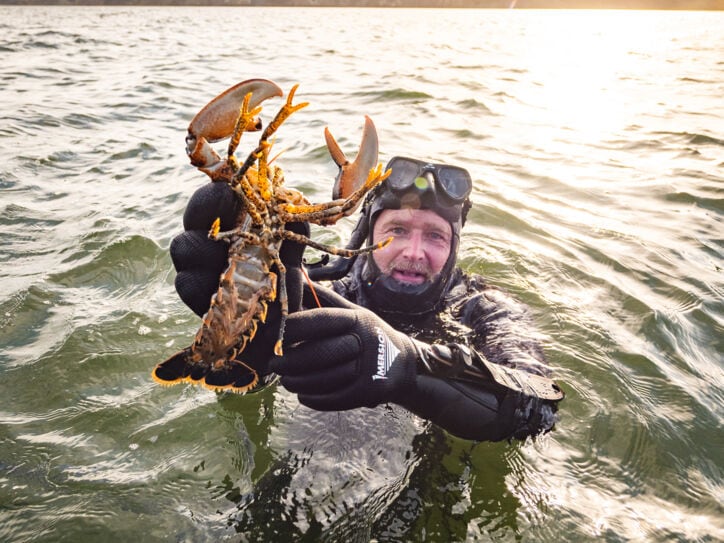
688	5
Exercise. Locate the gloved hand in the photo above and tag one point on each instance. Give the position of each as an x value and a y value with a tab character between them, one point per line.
200	261
339	358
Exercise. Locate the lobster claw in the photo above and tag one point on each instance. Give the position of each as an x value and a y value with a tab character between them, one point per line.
352	175
217	121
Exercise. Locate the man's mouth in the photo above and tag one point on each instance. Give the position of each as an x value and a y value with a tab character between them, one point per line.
412	273
408	276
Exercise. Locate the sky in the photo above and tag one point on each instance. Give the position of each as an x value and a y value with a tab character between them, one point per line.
520	4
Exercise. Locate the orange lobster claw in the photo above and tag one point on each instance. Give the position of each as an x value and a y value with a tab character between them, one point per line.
217	121
352	175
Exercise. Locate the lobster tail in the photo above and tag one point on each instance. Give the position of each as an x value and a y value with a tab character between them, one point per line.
175	369
232	376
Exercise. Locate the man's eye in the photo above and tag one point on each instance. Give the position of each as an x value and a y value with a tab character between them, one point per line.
397	231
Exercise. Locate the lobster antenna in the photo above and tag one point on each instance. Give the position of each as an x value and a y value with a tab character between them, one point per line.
340	266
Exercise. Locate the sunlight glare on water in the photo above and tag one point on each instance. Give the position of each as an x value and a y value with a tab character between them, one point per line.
597	60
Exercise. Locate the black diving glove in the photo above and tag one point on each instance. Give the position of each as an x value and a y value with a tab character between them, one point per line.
200	261
340	358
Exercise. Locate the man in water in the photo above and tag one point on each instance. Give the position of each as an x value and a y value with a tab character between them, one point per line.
405	325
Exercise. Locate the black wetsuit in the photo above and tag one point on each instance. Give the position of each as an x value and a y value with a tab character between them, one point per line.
490	322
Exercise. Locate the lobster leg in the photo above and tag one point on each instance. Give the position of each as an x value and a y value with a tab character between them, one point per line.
246	121
283	114
252	203
336	251
262	172
242	237
283	299
331	212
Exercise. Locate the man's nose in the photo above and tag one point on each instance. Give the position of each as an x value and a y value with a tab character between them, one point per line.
414	249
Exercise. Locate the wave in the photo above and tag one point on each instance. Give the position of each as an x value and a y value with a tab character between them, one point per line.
693	138
394	95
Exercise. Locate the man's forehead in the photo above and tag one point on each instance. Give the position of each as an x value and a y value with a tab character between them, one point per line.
424	218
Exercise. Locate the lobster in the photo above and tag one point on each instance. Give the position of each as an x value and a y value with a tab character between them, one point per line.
248	285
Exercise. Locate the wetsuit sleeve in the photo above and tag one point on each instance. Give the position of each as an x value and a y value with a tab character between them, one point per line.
502	337
470	397
470	412
502	331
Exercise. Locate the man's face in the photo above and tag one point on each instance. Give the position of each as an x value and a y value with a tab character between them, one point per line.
420	248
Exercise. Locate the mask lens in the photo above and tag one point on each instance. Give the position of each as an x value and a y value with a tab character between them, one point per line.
404	173
456	182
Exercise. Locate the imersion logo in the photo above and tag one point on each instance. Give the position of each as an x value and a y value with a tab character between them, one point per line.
386	354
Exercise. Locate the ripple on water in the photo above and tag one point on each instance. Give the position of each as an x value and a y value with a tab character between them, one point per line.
33	322
712	199
122	264
39	319
395	95
474	105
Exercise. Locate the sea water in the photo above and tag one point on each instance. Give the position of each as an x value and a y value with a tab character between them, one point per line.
595	142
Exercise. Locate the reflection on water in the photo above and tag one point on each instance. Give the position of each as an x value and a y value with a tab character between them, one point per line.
594	141
343	482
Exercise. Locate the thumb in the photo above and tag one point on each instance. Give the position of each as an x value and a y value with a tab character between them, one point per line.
209	202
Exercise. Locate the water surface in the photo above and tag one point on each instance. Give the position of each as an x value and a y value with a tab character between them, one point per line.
595	142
